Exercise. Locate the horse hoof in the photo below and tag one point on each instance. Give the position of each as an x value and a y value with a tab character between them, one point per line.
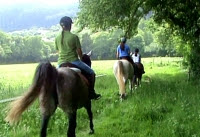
122	97
91	132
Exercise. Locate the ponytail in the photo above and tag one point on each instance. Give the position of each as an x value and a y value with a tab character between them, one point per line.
122	46
136	54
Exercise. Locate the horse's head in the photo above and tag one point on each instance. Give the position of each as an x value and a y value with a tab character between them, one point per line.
86	58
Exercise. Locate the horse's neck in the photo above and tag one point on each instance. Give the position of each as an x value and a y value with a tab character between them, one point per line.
86	59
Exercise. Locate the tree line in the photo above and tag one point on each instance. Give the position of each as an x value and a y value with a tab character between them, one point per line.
152	40
19	49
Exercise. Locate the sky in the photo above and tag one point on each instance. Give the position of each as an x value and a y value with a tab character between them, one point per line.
46	2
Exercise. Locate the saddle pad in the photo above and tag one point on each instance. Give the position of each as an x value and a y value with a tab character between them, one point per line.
75	69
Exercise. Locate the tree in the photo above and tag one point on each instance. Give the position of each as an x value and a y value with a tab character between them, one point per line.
183	18
137	42
1	52
17	48
181	15
5	49
86	42
146	32
114	14
33	51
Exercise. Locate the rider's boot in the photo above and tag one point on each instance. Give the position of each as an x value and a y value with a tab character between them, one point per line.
92	94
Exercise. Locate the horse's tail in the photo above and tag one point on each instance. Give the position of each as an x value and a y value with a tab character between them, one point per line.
45	75
120	75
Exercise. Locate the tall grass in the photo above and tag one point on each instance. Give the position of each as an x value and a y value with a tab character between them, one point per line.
166	105
14	79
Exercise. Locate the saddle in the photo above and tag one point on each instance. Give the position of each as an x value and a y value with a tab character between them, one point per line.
82	73
128	59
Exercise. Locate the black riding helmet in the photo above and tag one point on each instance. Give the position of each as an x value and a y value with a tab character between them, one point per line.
65	21
137	50
123	40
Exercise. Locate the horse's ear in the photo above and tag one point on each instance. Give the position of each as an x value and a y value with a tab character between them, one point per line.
89	53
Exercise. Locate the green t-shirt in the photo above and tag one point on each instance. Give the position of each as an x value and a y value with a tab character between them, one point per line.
67	51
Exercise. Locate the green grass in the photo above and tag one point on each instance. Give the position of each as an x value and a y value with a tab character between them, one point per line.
14	79
166	105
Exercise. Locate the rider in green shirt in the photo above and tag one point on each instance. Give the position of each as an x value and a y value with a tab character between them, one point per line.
69	49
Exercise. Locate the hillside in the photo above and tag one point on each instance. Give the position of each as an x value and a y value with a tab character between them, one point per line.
27	15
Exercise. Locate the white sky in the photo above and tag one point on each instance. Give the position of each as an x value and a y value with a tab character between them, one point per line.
47	2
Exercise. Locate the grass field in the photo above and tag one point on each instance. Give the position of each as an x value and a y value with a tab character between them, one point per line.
166	105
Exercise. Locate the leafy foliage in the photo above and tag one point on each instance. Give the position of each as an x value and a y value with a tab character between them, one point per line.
106	14
18	49
181	16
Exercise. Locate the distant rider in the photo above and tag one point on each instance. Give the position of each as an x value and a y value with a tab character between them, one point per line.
137	60
123	51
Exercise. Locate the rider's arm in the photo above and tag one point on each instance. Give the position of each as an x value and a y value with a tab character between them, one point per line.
140	59
128	50
79	52
117	54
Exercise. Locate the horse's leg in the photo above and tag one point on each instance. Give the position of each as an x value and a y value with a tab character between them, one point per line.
48	105
140	80
45	120
46	114
134	80
137	78
89	111
132	84
72	124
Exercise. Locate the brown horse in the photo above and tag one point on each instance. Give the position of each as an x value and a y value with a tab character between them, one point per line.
139	71
62	87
